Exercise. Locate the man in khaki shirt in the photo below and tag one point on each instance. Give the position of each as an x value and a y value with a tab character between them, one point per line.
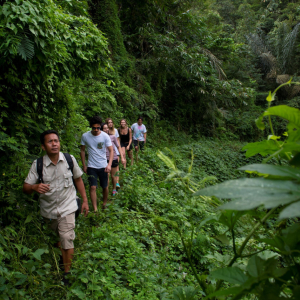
57	193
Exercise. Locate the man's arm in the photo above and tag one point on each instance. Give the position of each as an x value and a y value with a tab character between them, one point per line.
81	189
40	188
145	137
82	155
111	157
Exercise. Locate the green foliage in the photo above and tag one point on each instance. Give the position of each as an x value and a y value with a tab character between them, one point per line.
161	59
277	189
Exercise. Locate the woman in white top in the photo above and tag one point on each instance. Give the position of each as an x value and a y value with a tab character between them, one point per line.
113	131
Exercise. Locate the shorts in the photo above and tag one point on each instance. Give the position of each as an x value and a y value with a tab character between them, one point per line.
114	164
64	227
125	145
141	143
94	174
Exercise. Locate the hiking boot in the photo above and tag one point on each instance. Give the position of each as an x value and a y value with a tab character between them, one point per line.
66	280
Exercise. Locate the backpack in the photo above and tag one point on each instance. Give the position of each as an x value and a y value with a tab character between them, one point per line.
39	169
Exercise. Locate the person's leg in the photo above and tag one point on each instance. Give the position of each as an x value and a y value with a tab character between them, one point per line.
129	152
114	178
117	171
67	258
93	196
92	177
142	144
66	233
105	196
124	155
136	147
103	177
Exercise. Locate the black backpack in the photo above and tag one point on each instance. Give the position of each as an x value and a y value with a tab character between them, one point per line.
39	169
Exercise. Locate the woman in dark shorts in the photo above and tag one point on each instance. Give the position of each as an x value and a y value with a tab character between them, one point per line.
114	131
115	162
125	139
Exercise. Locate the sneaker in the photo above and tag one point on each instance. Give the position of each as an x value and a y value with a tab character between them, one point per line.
118	185
114	192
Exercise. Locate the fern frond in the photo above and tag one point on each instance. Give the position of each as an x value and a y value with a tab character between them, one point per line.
170	164
26	47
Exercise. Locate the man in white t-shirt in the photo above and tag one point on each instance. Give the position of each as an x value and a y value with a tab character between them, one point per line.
96	142
139	135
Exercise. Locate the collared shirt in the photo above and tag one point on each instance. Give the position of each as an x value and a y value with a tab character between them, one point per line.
61	198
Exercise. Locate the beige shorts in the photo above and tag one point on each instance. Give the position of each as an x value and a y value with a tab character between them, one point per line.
64	227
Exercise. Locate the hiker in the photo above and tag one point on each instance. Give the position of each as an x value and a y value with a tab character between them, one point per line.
115	162
139	135
51	177
113	131
96	142
125	140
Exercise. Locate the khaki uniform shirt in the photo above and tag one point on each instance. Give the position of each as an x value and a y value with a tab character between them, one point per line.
61	198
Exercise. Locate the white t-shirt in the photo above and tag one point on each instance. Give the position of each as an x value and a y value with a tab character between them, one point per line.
116	135
138	131
96	147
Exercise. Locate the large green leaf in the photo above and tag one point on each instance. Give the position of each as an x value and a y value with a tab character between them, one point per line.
230	274
282	171
263	148
260	268
37	254
289	113
255	266
292	211
287	241
293	132
253	192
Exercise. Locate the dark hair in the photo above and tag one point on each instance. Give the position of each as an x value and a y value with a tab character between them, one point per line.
95	120
140	118
102	125
42	136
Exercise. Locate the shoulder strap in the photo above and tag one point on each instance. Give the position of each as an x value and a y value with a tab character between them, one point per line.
71	165
69	161
39	169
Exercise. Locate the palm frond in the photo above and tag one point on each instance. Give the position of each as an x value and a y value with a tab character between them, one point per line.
215	62
289	47
267	59
283	31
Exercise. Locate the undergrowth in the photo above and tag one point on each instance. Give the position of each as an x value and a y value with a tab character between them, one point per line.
124	253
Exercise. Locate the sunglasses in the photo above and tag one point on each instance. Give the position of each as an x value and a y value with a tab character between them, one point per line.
96	128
